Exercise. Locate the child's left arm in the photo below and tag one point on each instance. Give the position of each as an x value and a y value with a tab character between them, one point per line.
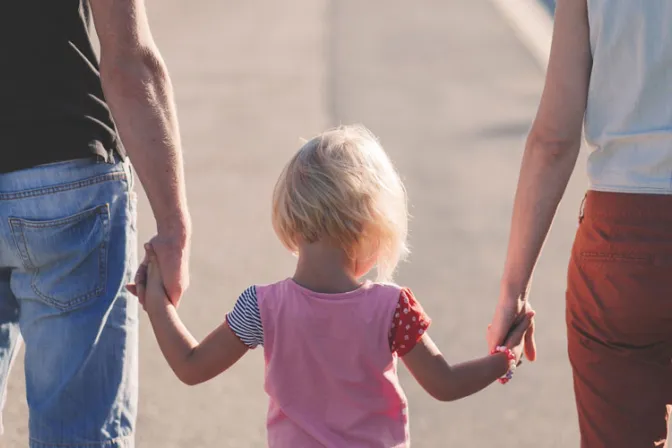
192	362
447	383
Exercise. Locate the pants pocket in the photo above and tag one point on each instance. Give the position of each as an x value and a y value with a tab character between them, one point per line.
67	257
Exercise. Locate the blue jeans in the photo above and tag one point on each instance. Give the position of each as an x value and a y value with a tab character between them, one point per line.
67	249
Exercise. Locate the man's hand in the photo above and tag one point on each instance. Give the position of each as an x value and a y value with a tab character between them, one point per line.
507	314
172	253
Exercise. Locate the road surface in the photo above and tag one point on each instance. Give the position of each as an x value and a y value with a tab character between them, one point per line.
451	93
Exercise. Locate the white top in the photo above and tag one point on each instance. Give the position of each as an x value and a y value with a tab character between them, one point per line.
628	122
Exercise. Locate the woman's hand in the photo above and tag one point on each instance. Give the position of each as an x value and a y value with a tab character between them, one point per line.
508	316
516	339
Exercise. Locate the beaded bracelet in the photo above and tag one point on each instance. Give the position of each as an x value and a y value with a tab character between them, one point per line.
512	363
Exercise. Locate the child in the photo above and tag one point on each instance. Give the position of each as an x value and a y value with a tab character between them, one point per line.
331	341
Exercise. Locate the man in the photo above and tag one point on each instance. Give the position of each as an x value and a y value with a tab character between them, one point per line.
67	210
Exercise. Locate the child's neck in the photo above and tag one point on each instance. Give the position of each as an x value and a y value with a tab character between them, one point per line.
324	268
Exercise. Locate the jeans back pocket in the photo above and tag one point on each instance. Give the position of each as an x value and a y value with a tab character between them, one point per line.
67	257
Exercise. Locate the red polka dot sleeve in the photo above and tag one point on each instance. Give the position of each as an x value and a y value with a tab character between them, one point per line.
408	324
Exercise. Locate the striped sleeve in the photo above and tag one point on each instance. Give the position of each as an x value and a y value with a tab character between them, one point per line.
245	319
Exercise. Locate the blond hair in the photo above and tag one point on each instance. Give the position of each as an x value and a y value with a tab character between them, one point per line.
342	186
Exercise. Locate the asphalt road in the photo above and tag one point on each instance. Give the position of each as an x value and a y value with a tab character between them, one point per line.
451	94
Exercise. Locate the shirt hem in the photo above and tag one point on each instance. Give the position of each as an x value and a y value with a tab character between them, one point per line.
631	189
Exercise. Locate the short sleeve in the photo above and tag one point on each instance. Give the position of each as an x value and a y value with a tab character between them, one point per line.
245	319
409	323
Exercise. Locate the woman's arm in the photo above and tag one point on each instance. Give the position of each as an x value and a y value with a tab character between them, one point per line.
550	155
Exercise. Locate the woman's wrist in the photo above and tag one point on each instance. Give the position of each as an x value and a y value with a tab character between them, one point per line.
510	292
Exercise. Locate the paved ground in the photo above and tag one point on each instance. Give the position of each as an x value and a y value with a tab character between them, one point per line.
451	93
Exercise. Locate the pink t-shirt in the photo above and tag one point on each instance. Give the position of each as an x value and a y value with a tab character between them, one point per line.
407	326
330	374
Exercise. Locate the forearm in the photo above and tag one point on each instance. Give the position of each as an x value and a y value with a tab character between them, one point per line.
447	383
138	90
545	172
175	341
470	377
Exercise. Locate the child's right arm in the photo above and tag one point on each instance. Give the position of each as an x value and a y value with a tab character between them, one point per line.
447	383
193	362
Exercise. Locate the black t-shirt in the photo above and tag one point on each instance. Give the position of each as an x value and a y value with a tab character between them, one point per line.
52	106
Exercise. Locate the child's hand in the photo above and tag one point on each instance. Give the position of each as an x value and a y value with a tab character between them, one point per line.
514	339
155	292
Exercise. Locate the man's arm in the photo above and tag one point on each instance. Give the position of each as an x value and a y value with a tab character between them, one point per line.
140	95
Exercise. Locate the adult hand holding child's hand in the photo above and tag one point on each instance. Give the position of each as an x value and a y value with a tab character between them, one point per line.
148	280
154	288
507	314
515	341
172	254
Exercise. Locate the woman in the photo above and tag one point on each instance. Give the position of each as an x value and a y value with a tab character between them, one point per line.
611	69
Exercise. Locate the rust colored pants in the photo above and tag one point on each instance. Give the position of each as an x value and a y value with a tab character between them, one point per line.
619	319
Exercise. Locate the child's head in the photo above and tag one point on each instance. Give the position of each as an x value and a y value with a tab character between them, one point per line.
341	187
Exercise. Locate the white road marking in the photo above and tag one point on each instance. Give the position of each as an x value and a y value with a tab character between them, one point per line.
532	23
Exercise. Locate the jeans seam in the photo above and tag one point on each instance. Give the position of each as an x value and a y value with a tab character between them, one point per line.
17	234
614	257
118	175
98	210
17	226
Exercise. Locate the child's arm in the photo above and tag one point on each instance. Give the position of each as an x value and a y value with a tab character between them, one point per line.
447	383
192	362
